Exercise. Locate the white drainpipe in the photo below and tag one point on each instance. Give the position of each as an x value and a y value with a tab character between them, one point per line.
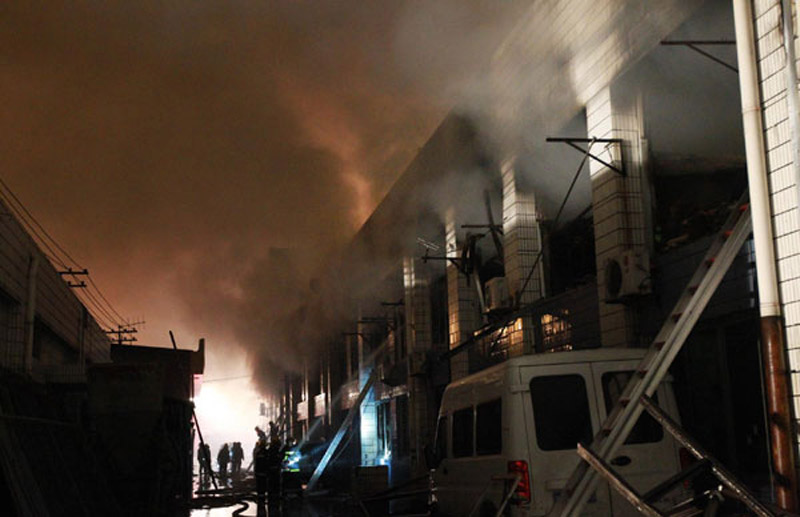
756	159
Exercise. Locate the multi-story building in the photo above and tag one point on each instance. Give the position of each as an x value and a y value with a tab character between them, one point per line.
487	248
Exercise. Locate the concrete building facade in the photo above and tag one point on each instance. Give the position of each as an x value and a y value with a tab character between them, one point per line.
664	168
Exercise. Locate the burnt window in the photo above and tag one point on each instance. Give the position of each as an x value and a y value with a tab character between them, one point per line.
646	430
462	433
488	428
560	412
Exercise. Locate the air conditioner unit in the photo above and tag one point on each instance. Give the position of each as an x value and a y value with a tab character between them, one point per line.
497	296
627	274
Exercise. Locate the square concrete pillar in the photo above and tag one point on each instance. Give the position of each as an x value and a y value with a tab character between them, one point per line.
462	305
618	202
522	243
418	343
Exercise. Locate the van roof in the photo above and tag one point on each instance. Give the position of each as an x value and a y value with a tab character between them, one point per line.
595	355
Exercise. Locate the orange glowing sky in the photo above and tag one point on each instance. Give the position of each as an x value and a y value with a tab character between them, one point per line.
169	145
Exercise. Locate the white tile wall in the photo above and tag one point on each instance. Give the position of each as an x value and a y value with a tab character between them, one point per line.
462	305
784	194
522	244
619	221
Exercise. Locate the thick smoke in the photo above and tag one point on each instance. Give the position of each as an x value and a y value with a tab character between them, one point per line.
205	159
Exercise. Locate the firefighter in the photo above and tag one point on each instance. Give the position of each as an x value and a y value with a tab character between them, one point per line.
237	456
261	466
274	462
223	456
203	458
261	434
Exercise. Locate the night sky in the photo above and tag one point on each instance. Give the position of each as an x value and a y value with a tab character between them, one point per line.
168	146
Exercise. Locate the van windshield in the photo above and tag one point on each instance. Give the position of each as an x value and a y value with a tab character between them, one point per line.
646	430
560	412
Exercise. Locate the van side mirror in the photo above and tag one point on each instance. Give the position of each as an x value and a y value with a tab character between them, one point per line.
432	459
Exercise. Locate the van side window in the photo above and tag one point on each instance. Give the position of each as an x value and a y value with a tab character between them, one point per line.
441	438
560	412
462	432
488	428
646	430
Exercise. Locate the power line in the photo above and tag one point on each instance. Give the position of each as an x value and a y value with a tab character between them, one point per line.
91	281
52	256
26	218
555	221
3	183
100	308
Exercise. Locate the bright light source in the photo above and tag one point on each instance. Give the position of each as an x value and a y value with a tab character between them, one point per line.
228	412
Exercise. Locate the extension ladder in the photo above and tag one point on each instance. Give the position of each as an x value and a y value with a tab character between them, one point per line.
348	420
645	503
659	357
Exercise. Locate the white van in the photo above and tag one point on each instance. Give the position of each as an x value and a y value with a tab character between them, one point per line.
526	415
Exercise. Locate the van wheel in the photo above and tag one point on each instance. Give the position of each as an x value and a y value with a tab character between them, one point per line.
487	509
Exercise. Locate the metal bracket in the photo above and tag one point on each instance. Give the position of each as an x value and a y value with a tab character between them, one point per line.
573	142
74	272
453	260
696	44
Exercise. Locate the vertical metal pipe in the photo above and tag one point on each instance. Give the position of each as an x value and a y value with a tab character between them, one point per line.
779	416
776	378
30	313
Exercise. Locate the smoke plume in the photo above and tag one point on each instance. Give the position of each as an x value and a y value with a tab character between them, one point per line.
205	159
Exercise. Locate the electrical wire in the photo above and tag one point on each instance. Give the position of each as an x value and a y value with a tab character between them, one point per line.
91	281
52	255
90	297
22	206
44	239
555	221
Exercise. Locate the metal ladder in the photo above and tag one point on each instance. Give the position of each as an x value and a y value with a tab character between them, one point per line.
659	357
348	421
644	503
